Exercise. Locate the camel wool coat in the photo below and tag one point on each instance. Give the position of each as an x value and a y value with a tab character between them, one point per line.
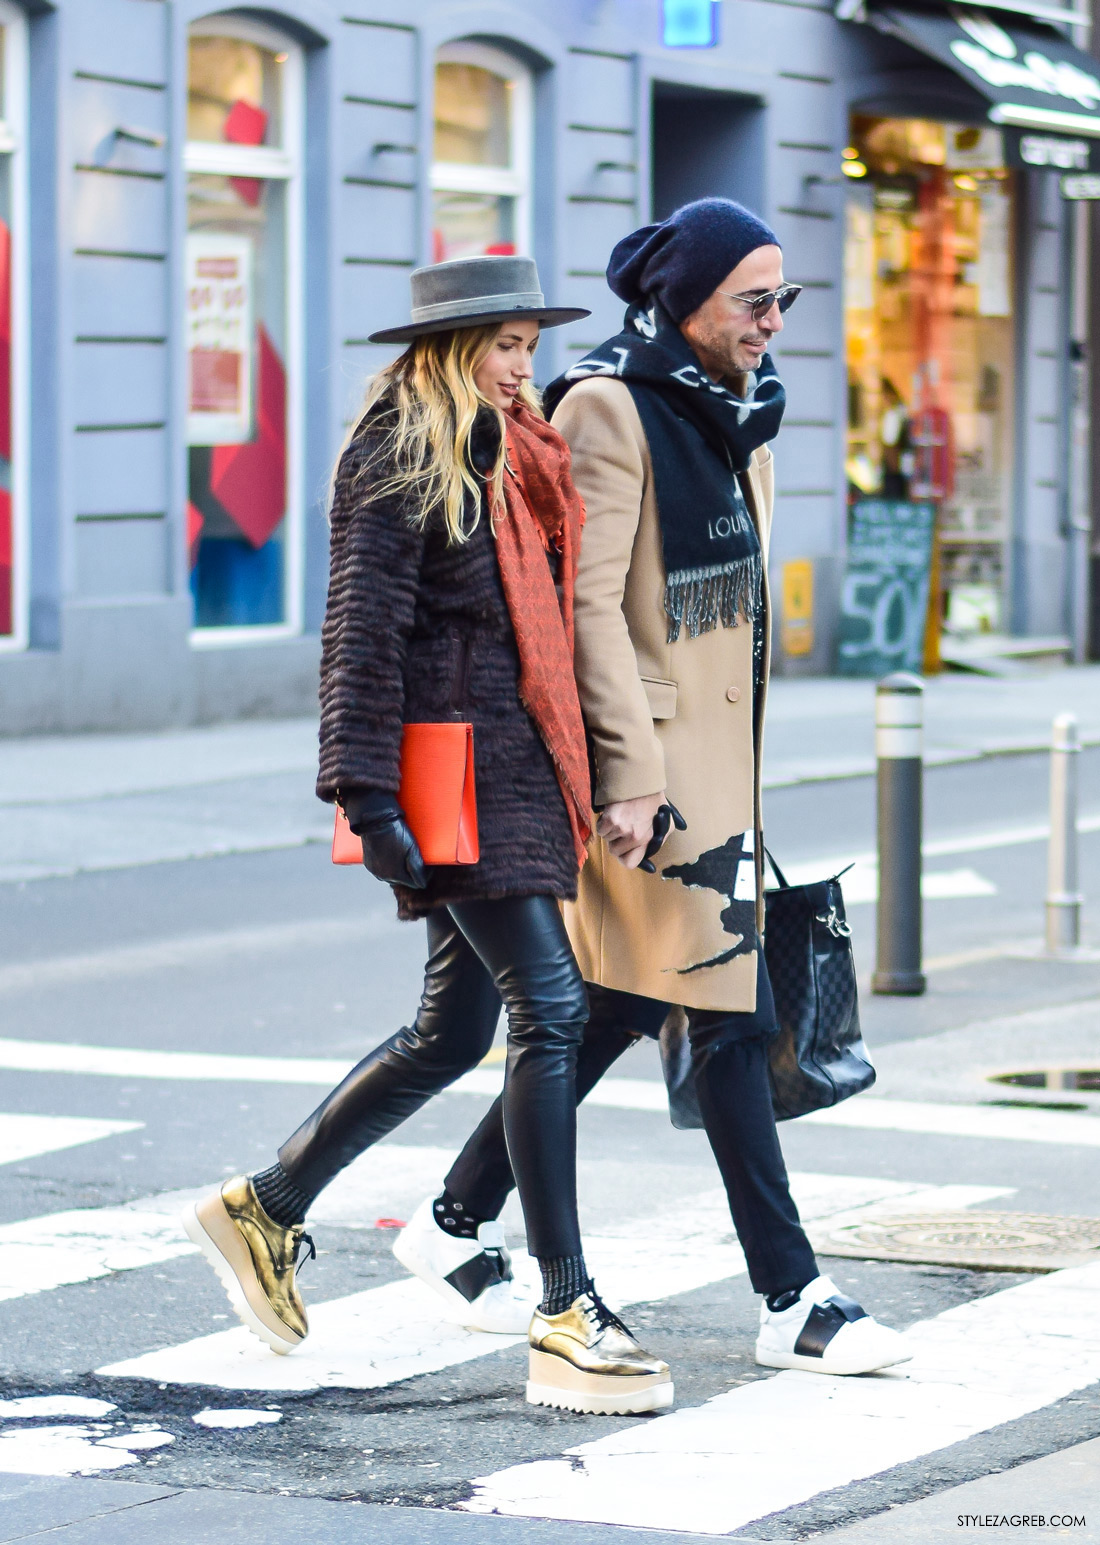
679	717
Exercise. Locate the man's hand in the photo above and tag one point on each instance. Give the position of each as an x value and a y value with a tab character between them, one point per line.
627	827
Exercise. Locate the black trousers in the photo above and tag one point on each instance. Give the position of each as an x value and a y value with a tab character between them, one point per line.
479	953
729	1054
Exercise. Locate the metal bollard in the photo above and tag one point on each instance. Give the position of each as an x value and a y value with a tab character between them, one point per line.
1063	897
899	748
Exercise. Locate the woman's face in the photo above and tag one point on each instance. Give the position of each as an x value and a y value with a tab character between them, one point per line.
508	363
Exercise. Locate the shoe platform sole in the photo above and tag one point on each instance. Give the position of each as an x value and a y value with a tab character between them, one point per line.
821	1365
208	1225
555	1382
459	1311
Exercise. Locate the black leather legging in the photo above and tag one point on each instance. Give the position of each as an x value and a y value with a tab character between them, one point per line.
729	1055
479	953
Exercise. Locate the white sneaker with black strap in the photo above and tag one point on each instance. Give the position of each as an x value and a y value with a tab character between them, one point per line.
472	1276
824	1332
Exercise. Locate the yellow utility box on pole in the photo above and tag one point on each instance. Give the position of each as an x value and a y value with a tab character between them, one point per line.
798	608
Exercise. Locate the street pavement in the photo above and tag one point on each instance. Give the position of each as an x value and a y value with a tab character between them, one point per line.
183	974
69	803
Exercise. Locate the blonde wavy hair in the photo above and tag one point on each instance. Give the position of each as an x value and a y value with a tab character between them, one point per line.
431	389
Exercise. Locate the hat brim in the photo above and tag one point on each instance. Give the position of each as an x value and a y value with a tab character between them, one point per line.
550	316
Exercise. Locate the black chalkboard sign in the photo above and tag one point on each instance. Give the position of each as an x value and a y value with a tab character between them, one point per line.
884	604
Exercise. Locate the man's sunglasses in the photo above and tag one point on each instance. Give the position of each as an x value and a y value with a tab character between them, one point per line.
760	305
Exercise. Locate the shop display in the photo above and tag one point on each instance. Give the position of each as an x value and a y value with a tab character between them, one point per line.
7	533
219	338
929	343
236	316
480	154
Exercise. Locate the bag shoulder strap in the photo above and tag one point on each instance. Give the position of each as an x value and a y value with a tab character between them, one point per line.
779	875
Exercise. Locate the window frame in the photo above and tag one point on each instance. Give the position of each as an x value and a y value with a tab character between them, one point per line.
13	142
285	163
515	180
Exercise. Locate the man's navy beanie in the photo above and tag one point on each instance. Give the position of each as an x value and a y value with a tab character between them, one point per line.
685	258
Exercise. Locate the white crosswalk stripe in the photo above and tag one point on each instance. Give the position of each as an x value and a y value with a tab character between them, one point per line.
24	1136
378	1337
708	1469
83	1244
861	882
717	1467
641	1094
63	1248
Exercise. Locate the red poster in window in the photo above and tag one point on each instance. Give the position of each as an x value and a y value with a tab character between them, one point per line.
195	524
5	341
6	608
6	535
246	125
215	381
219	278
249	481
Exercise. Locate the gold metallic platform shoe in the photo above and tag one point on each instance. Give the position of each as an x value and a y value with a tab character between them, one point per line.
586	1360
255	1259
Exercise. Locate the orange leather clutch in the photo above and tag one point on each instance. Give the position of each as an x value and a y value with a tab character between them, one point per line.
437	795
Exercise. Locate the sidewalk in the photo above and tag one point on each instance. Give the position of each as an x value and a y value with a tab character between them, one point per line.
70	803
1065	1486
824	727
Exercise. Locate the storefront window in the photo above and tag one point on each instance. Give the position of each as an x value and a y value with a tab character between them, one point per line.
225	72
482	151
929	334
241	267
13	555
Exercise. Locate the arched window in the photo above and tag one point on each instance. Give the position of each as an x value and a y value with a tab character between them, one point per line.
481	160
13	305
243	276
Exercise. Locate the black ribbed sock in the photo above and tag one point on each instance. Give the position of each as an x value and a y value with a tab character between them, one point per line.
453	1218
285	1203
777	1302
564	1279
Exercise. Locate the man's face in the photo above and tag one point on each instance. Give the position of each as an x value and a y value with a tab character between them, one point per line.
722	332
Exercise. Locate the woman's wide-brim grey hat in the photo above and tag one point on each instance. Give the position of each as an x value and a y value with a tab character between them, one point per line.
469	292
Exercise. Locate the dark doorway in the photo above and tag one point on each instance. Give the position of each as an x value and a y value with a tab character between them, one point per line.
706	144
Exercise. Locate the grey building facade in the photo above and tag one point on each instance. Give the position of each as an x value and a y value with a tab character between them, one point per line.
207	213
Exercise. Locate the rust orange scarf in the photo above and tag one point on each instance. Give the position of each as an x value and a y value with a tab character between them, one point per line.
543	512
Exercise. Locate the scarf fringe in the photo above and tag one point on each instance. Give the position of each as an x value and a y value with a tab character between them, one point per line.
699	599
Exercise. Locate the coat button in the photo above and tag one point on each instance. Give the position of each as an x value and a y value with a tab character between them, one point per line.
733	694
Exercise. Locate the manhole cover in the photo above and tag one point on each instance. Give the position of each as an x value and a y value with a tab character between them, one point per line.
984	1241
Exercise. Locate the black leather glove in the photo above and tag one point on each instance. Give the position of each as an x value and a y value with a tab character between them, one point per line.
389	847
666	817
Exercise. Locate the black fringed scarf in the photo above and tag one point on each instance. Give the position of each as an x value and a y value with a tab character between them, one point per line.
700	436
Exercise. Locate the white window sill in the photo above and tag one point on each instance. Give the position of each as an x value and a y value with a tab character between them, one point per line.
242	637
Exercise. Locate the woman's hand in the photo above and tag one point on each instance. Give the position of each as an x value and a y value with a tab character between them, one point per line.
390	852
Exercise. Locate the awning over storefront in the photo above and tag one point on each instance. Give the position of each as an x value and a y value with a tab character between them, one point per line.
1031	75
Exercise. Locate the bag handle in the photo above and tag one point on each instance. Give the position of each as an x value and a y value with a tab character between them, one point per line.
779	875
